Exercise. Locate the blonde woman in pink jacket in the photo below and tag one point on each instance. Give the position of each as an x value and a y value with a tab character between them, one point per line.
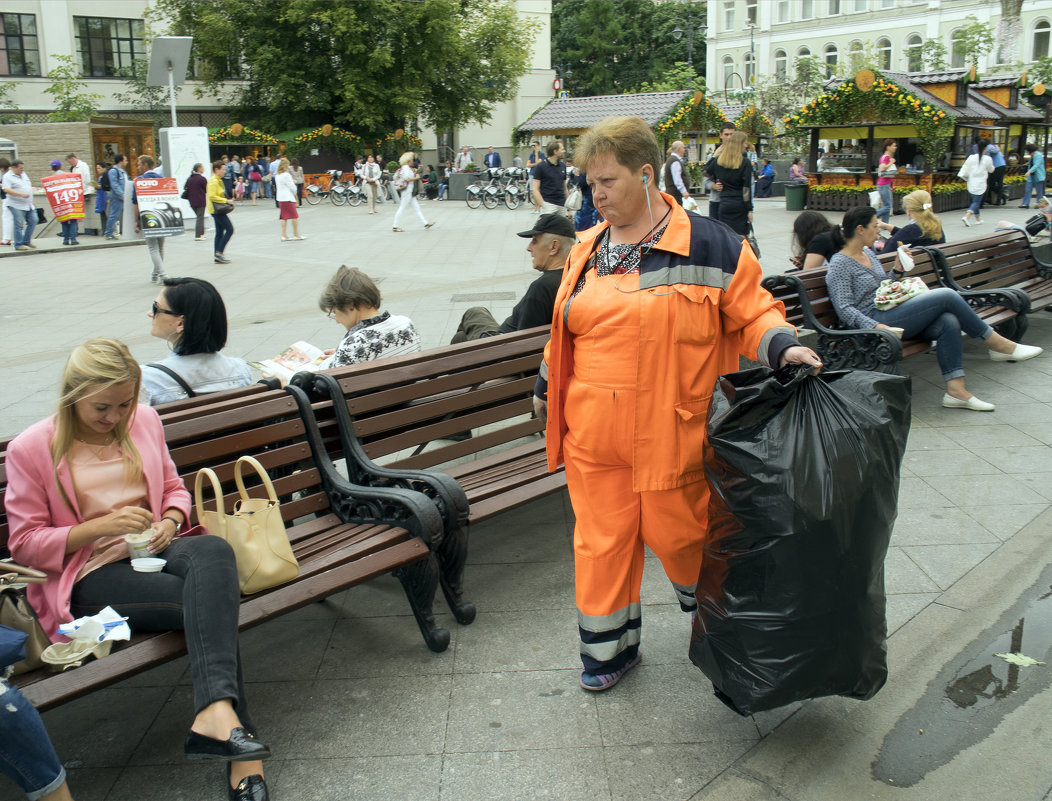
81	480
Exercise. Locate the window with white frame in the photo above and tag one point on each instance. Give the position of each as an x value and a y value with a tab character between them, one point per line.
807	9
861	5
728	70
783	10
957	49
728	15
19	46
834	8
914	53
781	66
107	45
752	12
1041	37
884	53
855	56
887	3
803	52
830	57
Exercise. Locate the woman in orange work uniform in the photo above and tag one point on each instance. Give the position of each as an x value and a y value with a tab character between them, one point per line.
654	305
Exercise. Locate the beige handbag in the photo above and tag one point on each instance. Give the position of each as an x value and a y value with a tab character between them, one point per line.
16	613
255	530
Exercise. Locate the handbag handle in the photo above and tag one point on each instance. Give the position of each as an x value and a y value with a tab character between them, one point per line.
199	503
12	573
262	471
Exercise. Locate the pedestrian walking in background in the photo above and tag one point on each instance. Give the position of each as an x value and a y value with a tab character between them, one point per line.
254	177
371	181
116	176
975	170
285	192
549	181
997	179
886	169
403	182
1035	175
733	171
296	171
196	193
102	197
19	193
154	244
216	196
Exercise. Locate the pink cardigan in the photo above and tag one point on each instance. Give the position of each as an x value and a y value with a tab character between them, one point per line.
40	520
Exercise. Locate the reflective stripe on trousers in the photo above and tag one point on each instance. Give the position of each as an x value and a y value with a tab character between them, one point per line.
614	522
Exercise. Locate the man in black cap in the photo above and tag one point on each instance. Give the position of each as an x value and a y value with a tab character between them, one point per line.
551	238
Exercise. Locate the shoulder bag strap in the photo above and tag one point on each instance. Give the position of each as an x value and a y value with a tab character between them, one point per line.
176	377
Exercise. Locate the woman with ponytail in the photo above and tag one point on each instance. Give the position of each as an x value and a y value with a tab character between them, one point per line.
939	315
924	227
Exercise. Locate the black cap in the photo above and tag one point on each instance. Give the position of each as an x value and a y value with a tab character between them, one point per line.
557	224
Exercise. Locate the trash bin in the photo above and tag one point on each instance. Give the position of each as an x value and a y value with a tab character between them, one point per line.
795	197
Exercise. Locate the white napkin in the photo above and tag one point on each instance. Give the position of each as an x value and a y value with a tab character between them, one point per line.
102	626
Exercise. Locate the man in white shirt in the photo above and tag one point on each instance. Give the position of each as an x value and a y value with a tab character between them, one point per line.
19	191
81	168
674	183
464	158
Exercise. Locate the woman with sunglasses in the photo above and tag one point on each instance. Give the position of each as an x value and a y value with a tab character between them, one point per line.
190	316
81	480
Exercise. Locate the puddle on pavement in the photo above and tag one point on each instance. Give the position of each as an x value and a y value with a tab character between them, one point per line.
973	693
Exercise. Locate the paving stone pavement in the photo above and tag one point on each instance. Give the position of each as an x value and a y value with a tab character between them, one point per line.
355	706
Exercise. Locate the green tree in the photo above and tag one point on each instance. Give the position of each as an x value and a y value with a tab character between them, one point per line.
7	102
369	67
618	46
777	98
152	99
933	54
71	104
973	41
680	76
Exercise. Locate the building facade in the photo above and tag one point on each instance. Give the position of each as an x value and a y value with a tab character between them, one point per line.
105	36
760	38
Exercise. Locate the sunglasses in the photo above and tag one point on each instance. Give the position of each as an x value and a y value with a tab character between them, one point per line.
158	310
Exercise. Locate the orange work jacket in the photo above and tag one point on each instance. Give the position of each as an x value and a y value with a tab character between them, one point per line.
701	307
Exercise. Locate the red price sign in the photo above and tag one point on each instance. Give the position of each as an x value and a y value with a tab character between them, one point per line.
65	193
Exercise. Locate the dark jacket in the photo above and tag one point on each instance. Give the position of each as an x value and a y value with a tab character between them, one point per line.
196	189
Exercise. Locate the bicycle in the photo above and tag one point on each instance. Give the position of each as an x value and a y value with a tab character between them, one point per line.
314	194
488	195
513	193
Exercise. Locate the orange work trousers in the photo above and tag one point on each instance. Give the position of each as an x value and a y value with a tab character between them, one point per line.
613	521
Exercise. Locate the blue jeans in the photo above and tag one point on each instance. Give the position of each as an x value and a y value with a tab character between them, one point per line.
26	753
69	231
1037	187
977	203
939	315
884	212
25	221
224	230
114	212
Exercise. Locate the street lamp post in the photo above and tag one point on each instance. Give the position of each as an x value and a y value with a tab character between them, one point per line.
688	27
752	54
563	73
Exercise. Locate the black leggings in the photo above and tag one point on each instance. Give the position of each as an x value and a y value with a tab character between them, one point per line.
197	592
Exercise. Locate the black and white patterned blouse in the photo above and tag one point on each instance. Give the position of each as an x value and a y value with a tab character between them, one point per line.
617	259
378	337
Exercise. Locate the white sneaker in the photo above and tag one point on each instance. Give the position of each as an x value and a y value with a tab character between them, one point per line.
299	237
973	403
964	219
1020	354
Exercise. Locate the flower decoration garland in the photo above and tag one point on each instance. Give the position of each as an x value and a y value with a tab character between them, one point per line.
887	103
754	122
247	136
344	141
689	115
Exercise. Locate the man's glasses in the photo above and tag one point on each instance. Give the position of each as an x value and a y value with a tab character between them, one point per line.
158	310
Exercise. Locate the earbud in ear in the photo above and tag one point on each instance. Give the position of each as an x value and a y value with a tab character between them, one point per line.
644	179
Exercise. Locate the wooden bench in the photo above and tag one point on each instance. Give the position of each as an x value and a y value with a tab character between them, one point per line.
403	422
334	553
807	305
1003	260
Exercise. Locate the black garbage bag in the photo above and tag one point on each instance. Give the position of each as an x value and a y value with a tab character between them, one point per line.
805	478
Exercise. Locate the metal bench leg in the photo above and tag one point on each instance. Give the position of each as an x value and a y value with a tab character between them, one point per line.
420	581
452	554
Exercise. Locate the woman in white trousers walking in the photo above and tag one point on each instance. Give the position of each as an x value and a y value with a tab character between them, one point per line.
404	183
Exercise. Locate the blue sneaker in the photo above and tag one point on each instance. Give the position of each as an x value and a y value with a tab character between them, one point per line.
597	682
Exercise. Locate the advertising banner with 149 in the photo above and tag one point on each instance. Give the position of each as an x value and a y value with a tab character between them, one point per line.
65	193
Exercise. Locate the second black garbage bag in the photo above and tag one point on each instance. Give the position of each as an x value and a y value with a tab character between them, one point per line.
805	479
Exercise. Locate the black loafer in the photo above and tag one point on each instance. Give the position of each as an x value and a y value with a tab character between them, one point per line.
241	747
250	788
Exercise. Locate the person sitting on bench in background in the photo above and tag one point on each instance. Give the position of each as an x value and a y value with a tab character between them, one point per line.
550	241
353	300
